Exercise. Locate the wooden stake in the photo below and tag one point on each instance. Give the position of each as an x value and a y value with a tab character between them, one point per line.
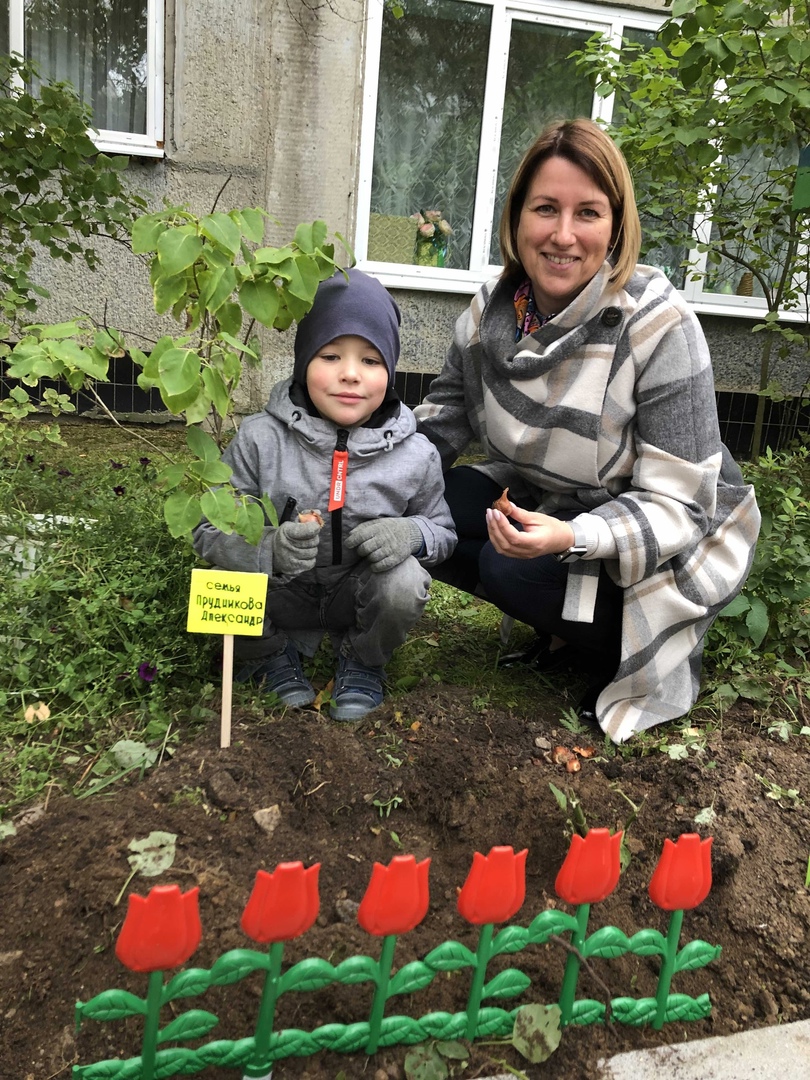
227	690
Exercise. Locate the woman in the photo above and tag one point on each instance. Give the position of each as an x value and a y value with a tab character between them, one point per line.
587	380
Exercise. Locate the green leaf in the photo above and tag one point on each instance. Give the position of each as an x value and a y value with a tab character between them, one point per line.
414	976
194	1024
216	286
154	854
217	391
757	620
606	943
450	956
237	964
167	290
229	317
112	1005
202	445
249	521
636	1012
738	606
190	983
146	232
310	237
178	249
507	983
251	223
179	371
182	513
537	1031
171	476
218	506
261	300
696	954
223	230
424	1062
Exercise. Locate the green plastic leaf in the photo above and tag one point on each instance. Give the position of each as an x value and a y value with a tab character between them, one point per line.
550	922
537	1031
182	513
237	964
506	984
414	976
606	943
648	943
511	939
588	1011
154	854
223	230
696	954
310	974
194	1024
112	1005
683	1007
357	969
450	956
261	300
189	983
179	371
636	1012
178	249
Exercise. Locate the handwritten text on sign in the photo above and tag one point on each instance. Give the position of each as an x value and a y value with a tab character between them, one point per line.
226	602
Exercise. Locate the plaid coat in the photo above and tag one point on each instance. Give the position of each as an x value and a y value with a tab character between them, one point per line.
609	409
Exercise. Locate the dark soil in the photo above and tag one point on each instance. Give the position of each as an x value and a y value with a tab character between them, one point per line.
471	776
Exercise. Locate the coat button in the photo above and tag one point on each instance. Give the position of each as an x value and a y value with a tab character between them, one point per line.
612	316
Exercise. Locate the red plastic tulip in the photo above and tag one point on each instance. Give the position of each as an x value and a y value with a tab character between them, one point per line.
161	931
683	876
495	887
591	868
283	904
396	899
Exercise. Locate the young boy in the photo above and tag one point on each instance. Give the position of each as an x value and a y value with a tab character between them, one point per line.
336	439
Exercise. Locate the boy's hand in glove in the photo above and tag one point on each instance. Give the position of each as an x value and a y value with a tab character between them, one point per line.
386	542
294	547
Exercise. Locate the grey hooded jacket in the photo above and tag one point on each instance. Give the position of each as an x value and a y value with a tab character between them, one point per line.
287	454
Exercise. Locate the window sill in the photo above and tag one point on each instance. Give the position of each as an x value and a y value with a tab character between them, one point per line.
119	142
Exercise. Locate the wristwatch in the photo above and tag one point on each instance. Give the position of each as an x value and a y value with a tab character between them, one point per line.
577	549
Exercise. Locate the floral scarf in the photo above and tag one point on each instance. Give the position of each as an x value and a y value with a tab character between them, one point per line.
527	316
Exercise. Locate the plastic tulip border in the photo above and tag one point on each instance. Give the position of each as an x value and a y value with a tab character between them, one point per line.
162	931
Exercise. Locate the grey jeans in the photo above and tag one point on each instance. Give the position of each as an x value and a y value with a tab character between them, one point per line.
367	615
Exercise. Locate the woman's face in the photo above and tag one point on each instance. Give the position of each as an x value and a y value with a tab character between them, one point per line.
563	234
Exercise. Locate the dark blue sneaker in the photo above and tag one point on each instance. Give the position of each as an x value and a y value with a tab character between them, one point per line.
358	689
283	676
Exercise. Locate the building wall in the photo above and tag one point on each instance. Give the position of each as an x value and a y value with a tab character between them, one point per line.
263	109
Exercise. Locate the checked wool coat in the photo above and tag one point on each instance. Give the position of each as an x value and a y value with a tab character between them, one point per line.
609	409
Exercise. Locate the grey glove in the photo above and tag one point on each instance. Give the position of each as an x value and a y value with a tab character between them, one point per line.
386	542
294	546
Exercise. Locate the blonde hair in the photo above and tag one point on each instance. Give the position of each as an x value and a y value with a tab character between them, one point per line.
583	143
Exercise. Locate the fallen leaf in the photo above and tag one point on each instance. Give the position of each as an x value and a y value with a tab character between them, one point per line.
40	711
416	725
154	854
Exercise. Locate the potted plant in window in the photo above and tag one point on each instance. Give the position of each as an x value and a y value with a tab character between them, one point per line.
432	237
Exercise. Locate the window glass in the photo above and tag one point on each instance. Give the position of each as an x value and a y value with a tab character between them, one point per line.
433	65
541	85
4	23
100	47
756	179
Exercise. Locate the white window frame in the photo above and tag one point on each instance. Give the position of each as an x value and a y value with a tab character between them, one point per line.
611	21
149	144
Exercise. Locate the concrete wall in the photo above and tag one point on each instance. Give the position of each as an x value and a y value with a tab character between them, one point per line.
263	108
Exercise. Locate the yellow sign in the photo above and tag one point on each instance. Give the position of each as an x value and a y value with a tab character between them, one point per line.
226	602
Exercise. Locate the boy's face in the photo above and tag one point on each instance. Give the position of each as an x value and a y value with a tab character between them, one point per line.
347	380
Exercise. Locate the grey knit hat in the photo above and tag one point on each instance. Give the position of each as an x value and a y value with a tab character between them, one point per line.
360	306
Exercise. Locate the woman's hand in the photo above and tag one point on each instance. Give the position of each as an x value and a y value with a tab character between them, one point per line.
542	535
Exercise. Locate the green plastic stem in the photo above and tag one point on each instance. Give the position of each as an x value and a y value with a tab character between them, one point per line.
667	968
381	993
569	986
260	1063
482	957
150	1031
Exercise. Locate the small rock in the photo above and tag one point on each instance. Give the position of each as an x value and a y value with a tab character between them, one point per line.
766	1004
380	1074
346	910
224	792
29	816
542	743
9	958
268	819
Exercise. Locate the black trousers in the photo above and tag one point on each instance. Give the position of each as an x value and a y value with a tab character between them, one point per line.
531	590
